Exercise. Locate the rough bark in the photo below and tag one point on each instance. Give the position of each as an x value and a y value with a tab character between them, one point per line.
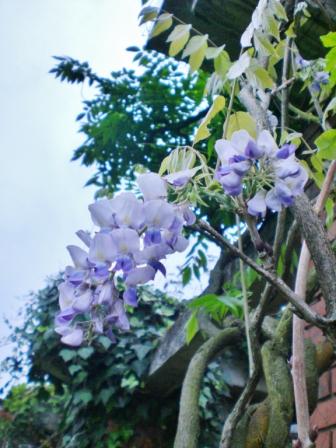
188	420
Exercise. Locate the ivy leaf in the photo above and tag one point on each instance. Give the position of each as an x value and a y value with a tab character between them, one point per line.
326	144
203	131
67	354
105	342
84	396
105	395
74	368
241	120
85	352
192	327
142	350
163	23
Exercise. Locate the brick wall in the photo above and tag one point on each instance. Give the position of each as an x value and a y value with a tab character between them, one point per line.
324	416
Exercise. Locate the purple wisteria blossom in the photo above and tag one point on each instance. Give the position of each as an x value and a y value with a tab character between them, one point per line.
320	78
280	176
132	239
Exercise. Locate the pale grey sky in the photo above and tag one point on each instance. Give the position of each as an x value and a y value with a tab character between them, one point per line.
43	201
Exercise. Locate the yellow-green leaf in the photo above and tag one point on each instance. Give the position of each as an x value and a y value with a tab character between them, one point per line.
326	144
329	40
177	45
196	58
163	23
222	64
203	131
264	78
195	44
263	44
191	327
213	52
178	32
241	120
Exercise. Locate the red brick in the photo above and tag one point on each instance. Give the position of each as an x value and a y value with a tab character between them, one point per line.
333	382
319	307
324	440
324	385
315	334
333	438
325	414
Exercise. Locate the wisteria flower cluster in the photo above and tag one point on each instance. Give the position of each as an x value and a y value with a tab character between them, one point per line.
134	237
276	171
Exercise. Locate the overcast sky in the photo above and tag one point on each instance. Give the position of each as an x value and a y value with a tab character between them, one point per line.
43	201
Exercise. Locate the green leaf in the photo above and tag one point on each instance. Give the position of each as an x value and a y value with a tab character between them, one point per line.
263	44
142	350
194	45
278	9
178	38
263	77
105	342
85	352
329	40
326	144
241	120
222	64
67	354
163	23
330	108
82	396
213	52
74	368
186	276
240	66
148	13
192	327
203	131
330	207
105	394
196	59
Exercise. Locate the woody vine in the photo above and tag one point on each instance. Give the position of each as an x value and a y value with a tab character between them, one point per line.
263	166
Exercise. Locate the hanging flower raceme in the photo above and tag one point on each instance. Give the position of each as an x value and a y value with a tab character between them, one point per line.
274	171
134	237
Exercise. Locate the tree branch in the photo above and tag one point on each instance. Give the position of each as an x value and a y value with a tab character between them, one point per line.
300	306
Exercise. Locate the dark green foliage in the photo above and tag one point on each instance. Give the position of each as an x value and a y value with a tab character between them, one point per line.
103	381
95	394
134	118
31	414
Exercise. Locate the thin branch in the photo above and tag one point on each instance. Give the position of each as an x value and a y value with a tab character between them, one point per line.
284	92
245	299
300	306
